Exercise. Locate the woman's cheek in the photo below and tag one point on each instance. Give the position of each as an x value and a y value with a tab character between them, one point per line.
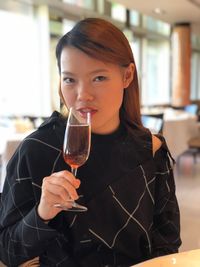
69	97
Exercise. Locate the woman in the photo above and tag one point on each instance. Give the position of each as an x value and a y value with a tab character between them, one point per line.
127	182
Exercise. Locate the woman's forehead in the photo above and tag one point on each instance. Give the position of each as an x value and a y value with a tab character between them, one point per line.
73	60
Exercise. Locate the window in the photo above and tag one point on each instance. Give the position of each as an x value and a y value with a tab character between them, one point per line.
156	25
134	18
118	12
21	86
67	25
155	79
89	4
195	77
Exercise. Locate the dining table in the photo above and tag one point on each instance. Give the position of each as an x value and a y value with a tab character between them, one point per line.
178	128
189	258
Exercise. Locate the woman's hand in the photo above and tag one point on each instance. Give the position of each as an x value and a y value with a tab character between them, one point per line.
58	188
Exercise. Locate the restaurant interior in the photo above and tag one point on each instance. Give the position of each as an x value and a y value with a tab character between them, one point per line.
165	38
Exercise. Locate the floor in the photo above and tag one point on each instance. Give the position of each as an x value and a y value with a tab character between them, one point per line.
187	178
188	193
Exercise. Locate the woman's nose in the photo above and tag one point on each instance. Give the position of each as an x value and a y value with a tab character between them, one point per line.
85	93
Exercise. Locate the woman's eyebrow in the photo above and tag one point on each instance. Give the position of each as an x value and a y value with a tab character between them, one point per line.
92	72
98	70
67	73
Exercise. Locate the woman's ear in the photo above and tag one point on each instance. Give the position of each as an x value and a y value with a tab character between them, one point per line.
129	74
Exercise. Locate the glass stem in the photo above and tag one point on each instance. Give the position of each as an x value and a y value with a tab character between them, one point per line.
74	171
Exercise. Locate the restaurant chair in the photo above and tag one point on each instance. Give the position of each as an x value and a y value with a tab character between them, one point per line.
192	109
194	142
193	150
194	147
153	122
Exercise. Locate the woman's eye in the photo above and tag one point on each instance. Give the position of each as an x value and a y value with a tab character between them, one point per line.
68	80
100	78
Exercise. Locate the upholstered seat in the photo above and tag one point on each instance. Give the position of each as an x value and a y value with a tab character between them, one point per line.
192	108
194	146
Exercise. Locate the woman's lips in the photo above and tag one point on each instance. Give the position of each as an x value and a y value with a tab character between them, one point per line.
83	111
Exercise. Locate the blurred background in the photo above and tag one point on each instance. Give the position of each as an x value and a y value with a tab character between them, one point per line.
165	38
156	30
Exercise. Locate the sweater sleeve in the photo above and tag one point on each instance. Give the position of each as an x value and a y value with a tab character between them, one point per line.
166	222
23	235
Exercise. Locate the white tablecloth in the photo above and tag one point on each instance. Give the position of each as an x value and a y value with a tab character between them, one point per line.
179	126
184	259
178	130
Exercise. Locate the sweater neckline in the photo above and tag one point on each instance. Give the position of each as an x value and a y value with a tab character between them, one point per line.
112	137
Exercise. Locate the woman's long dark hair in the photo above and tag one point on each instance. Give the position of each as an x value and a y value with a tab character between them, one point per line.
102	40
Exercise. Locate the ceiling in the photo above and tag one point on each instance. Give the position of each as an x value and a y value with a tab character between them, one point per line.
174	11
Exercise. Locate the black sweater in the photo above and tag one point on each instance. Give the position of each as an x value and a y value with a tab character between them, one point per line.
132	208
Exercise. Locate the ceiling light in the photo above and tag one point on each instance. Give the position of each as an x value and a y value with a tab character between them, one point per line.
159	11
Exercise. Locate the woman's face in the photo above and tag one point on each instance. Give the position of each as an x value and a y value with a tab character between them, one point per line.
92	85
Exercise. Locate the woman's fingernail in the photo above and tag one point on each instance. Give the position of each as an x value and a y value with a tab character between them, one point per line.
78	182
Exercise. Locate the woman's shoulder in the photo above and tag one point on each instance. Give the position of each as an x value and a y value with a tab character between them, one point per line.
51	123
160	148
141	137
49	134
156	144
56	118
146	141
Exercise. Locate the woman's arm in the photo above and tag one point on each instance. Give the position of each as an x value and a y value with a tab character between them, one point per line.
28	201
166	223
23	235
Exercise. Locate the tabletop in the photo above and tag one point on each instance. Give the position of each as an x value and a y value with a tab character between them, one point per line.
184	259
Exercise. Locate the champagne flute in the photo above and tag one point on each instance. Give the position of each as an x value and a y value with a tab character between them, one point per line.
76	147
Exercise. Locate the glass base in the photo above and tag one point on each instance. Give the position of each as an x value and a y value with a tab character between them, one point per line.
75	207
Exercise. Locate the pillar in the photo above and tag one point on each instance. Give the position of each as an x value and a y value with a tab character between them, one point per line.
181	54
